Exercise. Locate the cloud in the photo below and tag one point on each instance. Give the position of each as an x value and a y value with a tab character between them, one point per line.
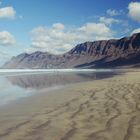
109	21
59	38
97	29
58	26
4	57
136	31
6	38
7	12
134	10
113	12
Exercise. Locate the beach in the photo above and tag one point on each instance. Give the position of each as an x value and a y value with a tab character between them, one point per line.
106	109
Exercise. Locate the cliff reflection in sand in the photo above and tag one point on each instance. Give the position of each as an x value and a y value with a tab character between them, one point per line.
48	80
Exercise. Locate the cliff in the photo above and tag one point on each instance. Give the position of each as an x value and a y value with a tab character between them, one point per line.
97	54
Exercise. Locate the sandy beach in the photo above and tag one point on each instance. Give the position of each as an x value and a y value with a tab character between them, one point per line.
107	109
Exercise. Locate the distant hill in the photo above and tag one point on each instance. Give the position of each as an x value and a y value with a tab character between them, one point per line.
98	54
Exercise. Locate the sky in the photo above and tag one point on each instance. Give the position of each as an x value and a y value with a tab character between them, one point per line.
56	26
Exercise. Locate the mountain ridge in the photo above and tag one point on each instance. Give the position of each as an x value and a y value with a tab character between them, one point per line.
97	54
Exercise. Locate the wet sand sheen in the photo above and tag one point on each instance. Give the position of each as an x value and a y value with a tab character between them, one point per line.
107	109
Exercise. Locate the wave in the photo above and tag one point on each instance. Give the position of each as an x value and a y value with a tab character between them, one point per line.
53	70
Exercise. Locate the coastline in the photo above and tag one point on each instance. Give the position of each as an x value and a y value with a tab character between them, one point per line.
95	110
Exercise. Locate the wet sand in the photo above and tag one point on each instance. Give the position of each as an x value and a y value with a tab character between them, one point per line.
107	109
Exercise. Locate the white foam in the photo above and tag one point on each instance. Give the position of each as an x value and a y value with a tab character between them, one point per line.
52	70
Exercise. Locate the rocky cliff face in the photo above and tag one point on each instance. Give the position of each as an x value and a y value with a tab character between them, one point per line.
105	53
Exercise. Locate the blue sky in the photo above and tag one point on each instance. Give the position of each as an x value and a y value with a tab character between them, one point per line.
57	26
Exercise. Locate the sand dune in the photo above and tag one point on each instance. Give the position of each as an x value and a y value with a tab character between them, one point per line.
106	109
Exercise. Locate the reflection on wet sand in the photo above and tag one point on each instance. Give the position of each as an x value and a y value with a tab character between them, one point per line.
41	81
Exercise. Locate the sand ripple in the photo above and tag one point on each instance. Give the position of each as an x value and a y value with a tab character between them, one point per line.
102	110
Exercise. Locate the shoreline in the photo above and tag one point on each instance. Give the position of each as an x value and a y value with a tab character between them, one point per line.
95	110
33	92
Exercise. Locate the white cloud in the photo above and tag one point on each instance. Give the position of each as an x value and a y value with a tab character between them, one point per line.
97	29
7	12
4	57
58	26
134	10
136	31
6	38
109	21
58	38
113	12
